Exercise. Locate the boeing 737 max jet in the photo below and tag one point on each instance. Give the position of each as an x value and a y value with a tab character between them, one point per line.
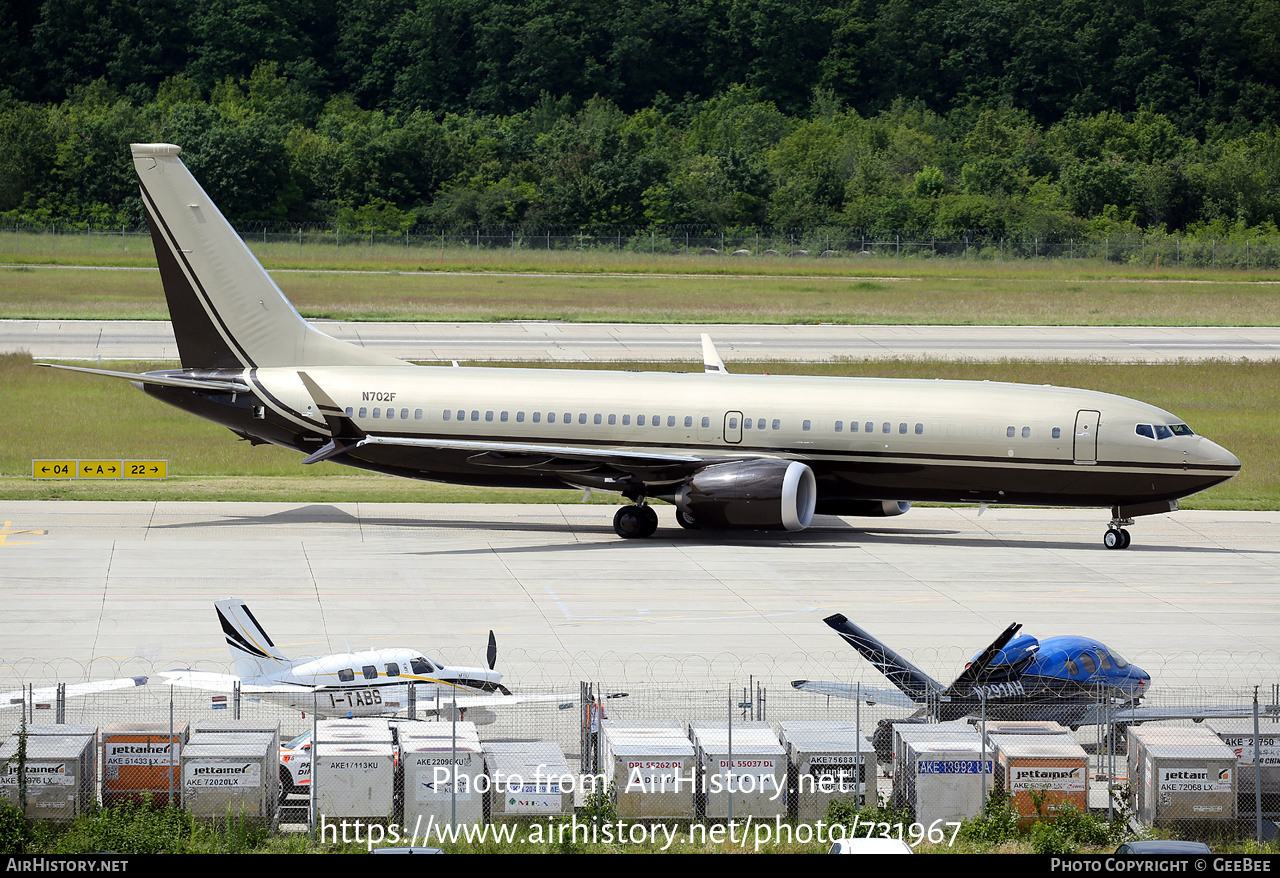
729	451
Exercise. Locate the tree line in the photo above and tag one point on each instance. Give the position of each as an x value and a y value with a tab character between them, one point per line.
1005	117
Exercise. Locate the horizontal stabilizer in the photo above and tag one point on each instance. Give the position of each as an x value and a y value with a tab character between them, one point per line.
164	380
854	692
47	694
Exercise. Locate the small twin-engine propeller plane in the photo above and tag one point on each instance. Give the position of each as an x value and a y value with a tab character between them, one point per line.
1072	680
755	452
368	683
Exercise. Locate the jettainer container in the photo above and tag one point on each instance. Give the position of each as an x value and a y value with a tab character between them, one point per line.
61	771
1051	771
228	775
142	761
1181	773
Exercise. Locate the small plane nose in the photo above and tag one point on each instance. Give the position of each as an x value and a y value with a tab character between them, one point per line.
1210	452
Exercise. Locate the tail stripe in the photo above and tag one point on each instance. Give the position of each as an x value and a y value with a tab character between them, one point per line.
236	640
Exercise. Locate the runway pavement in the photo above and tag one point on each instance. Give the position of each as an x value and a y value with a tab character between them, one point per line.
128	587
567	342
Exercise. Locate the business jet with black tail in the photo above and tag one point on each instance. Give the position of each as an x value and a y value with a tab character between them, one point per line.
729	451
1072	680
367	683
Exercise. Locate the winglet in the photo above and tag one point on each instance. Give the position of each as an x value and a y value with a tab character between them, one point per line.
711	361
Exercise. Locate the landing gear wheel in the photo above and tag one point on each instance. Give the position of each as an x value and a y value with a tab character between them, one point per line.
650	520
686	521
631	522
1116	538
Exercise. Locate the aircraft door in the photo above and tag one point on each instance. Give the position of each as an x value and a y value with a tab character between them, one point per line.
733	427
1086	437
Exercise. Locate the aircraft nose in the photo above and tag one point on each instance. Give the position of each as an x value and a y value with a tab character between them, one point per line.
1210	452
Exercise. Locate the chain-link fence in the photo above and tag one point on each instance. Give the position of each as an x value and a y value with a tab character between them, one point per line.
324	242
683	751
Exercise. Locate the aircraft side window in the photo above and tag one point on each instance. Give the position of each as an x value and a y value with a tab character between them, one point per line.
1057	432
1104	660
391	414
1072	668
598	419
853	426
919	429
417	414
1163	432
582	418
1088	663
346	675
671	420
613	419
363	411
1145	430
902	429
568	417
420	666
839	426
1026	432
369	672
393	669
746	423
870	427
349	411
639	420
551	417
733	423
706	422
519	417
688	420
503	417
806	424
626	420
462	416
1011	431
475	415
777	424
886	427
537	416
657	420
447	414
376	411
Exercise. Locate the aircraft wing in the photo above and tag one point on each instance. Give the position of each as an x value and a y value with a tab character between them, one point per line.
47	694
211	682
869	694
1149	714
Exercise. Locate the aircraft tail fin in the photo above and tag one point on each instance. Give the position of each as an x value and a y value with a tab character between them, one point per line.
256	658
913	682
226	310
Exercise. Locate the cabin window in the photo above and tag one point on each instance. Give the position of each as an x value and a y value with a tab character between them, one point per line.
639	420
417	414
391	414
613	419
598	419
551	417
1057	432
853	426
870	427
568	417
1010	432
777	424
806	425
1072	668
447	414
1087	662
503	417
475	415
746	423
626	420
346	675
370	672
462	416
886	427
919	429
582	418
393	669
839	426
902	429
376	412
537	416
488	416
671	420
349	412
657	420
519	417
688	420
706	422
1026	432
363	411
733	423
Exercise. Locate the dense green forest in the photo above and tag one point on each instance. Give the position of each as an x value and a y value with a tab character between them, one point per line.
1002	116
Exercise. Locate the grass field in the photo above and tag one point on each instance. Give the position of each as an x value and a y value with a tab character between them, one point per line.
1046	297
49	414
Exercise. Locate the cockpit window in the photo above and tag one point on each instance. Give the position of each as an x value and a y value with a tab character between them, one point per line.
1163	432
1087	662
1072	668
1119	661
420	665
1145	430
1181	430
1104	660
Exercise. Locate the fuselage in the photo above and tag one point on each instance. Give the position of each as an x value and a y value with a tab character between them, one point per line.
865	439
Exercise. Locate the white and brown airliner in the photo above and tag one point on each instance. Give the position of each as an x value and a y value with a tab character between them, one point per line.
728	451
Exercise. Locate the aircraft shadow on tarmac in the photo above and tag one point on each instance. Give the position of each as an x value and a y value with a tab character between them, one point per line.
821	534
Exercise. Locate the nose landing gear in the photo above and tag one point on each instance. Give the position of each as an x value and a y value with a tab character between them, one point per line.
1116	536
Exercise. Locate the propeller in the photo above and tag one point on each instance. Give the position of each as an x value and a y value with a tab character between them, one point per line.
492	652
970	675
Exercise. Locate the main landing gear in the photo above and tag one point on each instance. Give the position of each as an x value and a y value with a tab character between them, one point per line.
1116	536
638	520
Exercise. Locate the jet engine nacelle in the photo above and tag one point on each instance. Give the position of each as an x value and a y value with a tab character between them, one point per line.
751	495
864	508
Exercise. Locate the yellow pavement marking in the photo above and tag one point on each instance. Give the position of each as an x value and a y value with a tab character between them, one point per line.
8	531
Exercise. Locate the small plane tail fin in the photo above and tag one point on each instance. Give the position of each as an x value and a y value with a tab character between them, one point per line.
913	682
226	310
257	660
977	668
